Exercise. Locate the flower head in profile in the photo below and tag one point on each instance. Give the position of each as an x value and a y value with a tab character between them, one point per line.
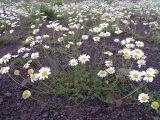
154	71
4	70
143	98
84	58
108	53
73	62
44	72
6	58
34	77
26	94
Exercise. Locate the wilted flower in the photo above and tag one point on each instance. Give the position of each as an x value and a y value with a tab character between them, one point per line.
155	105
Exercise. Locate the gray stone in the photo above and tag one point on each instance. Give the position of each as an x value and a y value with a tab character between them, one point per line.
8	94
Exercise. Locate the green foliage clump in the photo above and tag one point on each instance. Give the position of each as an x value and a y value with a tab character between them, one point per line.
48	12
155	37
6	39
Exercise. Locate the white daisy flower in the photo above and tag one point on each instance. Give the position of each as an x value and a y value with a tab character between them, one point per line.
73	62
46	46
103	25
33	26
83	58
137	54
4	70
21	50
148	76
141	63
143	98
35	55
26	66
139	44
6	58
126	53
25	55
108	63
111	70
108	53
11	31
102	73
34	77
154	71
96	39
44	72
135	75
96	29
116	40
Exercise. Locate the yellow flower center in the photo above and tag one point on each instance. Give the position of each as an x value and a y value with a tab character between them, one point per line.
44	73
110	70
84	59
73	63
4	58
137	51
25	93
156	71
29	37
135	75
148	75
144	98
16	72
33	76
30	71
102	72
126	53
